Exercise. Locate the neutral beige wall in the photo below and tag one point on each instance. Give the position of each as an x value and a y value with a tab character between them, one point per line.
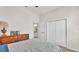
19	18
72	16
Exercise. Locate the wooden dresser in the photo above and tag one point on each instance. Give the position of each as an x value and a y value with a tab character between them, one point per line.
14	38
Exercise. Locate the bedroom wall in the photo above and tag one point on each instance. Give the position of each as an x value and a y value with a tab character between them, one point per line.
18	18
72	16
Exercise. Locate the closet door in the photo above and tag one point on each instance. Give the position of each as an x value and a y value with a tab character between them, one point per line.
61	33
51	32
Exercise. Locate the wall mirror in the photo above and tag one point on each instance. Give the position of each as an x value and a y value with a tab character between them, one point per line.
35	25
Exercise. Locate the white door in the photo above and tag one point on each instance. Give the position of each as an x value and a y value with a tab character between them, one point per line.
56	32
61	33
51	32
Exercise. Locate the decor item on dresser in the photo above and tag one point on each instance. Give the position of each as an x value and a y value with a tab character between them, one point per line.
17	32
14	33
3	31
3	26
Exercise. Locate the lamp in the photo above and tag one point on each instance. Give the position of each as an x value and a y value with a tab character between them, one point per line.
3	26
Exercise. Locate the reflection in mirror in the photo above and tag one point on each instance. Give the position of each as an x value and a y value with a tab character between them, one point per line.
35	25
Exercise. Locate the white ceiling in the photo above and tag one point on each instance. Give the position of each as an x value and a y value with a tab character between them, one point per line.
41	9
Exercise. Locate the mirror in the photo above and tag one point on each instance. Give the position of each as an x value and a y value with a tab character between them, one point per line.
35	30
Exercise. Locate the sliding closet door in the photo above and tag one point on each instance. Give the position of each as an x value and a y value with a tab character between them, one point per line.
61	32
51	32
56	32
